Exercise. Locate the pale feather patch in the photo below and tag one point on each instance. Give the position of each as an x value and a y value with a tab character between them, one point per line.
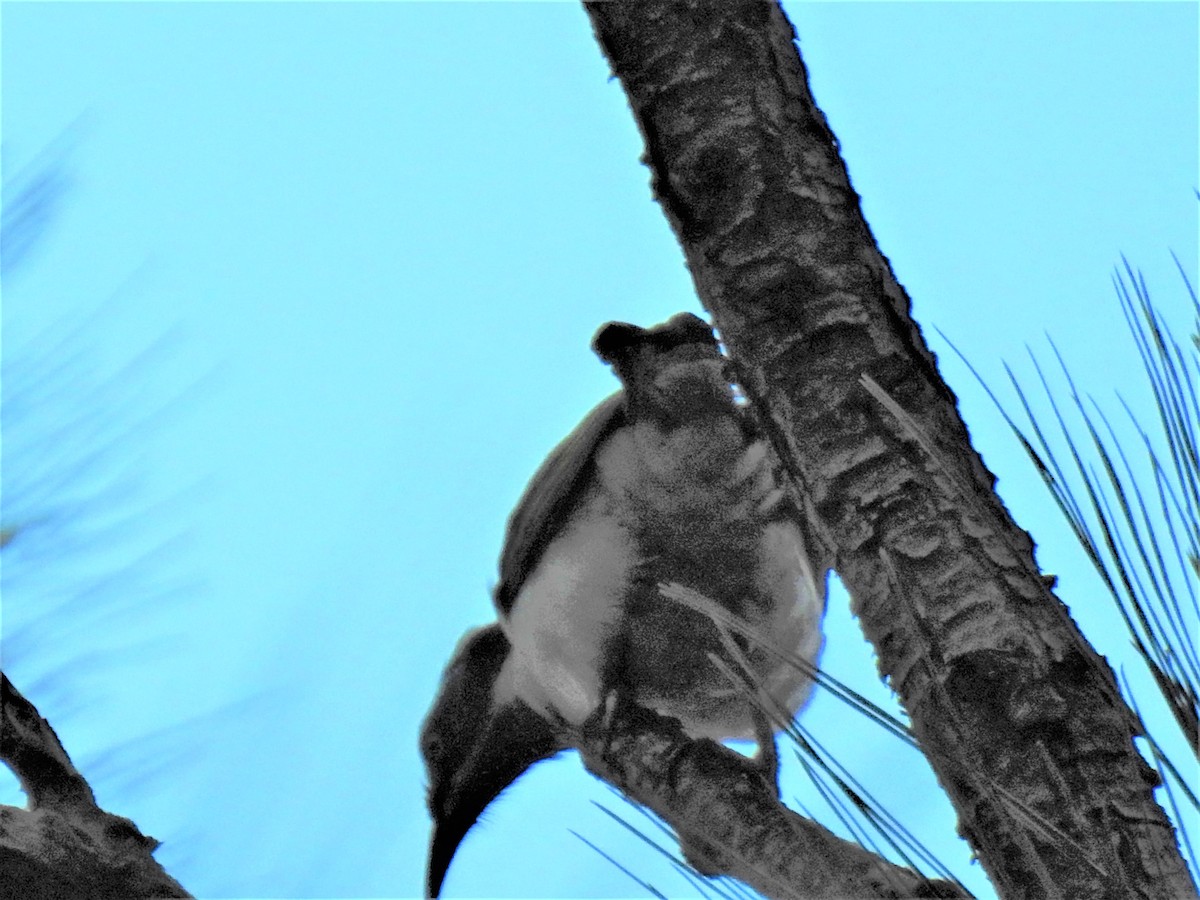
751	462
564	614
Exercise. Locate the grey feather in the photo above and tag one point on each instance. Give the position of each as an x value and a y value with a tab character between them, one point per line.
551	494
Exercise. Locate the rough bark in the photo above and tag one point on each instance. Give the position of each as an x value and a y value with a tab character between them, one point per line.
729	820
64	845
1020	718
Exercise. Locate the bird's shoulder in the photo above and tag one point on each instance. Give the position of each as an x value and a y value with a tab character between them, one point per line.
553	491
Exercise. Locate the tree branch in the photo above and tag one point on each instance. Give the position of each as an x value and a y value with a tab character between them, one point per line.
1019	717
728	819
64	845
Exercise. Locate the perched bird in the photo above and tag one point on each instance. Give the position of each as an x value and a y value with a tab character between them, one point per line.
666	481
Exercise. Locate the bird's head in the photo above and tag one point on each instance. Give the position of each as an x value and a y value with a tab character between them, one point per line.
671	373
473	746
449	737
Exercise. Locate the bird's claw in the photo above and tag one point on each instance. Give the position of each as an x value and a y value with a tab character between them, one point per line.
767	755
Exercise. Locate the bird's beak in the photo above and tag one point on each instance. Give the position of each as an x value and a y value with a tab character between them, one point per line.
446	838
507	742
475	744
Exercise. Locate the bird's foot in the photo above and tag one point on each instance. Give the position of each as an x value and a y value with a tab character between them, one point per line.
767	755
603	721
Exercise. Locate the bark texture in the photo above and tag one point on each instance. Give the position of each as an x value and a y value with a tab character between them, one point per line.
729	820
64	846
1019	717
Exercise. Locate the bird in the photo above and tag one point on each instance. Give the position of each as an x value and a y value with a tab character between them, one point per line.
666	482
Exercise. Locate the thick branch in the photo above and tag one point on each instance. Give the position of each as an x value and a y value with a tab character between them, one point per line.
728	820
1019	716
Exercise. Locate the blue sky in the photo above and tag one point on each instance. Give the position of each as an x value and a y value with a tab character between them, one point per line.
353	255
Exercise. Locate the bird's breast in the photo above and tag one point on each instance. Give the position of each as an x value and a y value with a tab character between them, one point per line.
697	506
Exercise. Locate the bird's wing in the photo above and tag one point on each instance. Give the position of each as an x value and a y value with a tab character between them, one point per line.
551	493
